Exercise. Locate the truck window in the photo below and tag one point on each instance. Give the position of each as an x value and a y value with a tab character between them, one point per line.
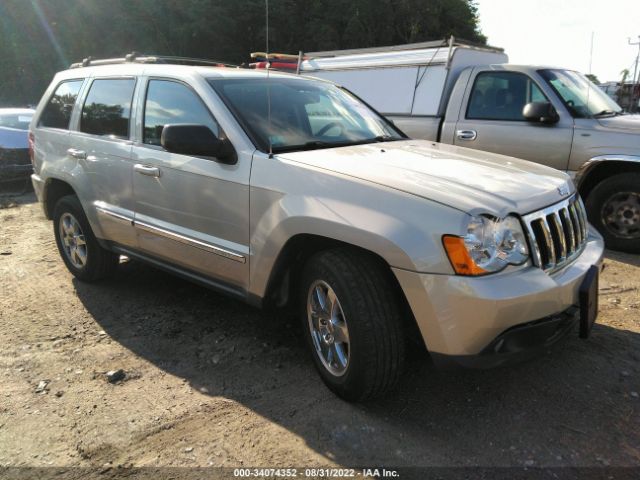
57	113
107	108
502	96
582	98
172	102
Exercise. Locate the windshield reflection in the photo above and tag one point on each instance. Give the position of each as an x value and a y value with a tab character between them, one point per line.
304	114
582	98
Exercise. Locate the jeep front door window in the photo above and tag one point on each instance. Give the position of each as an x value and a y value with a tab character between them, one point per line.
170	102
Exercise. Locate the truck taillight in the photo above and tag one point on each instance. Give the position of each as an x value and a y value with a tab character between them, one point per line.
31	148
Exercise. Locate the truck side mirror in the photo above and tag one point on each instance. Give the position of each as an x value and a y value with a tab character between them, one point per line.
197	140
541	112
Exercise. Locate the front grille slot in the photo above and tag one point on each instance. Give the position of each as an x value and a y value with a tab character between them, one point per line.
557	234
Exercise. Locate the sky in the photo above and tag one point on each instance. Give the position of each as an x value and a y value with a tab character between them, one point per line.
558	33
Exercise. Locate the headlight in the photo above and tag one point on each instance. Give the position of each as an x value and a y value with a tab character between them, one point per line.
489	246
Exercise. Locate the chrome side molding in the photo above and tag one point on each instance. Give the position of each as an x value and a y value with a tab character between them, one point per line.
103	209
190	241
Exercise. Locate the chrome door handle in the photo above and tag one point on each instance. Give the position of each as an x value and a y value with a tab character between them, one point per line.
466	134
147	170
75	153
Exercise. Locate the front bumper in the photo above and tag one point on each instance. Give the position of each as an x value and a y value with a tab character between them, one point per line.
461	319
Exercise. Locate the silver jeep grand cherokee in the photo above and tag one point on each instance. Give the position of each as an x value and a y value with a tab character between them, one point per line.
289	191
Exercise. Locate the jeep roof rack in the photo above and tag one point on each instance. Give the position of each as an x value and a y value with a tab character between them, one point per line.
135	57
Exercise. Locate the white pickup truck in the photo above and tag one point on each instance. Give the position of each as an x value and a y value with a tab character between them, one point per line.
470	96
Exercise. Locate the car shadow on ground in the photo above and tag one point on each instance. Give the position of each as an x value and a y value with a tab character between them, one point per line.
628	258
572	405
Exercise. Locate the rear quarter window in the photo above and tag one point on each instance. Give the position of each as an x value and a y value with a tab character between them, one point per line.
107	108
57	113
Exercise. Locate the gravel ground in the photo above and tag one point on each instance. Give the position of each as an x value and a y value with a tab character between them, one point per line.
211	381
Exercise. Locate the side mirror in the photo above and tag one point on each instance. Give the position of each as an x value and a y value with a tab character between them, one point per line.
541	112
197	140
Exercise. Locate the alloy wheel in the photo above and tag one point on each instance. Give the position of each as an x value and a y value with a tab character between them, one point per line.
73	240
328	328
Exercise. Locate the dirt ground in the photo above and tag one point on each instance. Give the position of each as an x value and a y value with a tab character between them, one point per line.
211	381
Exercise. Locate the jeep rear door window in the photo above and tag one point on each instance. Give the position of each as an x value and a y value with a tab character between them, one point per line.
107	108
170	102
502	96
57	113
303	114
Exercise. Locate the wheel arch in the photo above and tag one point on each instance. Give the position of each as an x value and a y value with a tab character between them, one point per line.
54	190
602	167
287	271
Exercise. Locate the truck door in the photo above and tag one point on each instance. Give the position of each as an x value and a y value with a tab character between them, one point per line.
491	119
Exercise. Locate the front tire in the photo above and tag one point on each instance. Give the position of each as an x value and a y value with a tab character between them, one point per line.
350	311
78	246
613	207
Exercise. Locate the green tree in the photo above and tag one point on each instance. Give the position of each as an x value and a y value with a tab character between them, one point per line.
41	37
593	78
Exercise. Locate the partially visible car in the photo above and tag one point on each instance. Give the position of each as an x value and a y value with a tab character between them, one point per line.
15	162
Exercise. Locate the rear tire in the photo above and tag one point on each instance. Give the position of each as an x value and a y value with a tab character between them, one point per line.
365	311
78	246
613	208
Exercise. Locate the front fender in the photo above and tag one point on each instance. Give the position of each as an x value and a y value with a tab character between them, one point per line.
403	229
589	166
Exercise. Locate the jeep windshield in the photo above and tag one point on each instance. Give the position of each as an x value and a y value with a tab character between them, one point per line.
303	115
582	98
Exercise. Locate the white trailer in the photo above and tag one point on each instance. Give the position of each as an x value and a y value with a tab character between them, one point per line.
409	83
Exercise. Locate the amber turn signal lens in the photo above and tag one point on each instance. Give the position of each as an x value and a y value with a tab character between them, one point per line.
459	257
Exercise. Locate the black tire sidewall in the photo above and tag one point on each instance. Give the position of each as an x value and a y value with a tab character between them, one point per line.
354	381
598	197
71	204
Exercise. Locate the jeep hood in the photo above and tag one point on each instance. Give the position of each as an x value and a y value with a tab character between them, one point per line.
466	179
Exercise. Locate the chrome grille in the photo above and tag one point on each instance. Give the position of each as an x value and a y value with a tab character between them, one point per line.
557	234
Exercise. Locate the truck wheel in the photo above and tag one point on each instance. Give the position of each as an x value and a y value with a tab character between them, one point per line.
352	322
79	249
613	207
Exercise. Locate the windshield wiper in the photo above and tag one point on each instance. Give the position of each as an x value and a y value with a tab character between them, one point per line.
312	145
317	144
386	138
606	112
